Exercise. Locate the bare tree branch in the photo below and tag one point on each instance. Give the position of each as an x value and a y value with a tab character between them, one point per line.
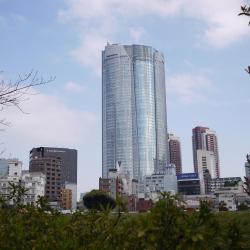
13	94
245	10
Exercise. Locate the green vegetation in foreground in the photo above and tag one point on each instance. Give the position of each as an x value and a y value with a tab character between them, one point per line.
167	226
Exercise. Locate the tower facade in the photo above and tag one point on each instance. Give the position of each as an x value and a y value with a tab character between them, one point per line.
174	145
134	123
205	139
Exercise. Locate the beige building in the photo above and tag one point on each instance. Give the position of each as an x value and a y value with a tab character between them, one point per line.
66	199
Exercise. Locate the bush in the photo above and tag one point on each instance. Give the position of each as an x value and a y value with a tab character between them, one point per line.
167	226
98	200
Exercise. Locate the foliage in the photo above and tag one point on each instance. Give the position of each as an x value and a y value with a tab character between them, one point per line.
223	206
230	183
245	10
243	207
247	179
167	226
17	193
98	200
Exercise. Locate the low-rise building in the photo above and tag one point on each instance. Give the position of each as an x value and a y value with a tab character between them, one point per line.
226	182
193	201
165	181
144	205
228	200
34	184
5	187
113	185
188	184
66	199
73	188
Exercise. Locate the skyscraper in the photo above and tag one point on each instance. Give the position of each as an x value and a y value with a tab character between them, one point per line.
134	123
205	139
174	145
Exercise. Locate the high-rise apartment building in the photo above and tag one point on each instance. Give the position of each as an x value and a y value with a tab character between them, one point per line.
205	139
51	167
60	167
174	146
134	123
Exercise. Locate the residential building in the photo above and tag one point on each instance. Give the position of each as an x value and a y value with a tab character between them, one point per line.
134	123
60	167
14	167
206	161
68	159
34	183
73	188
113	185
174	146
4	167
11	167
206	169
51	167
5	187
188	184
205	139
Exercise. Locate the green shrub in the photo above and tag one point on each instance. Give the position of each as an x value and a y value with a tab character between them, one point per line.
98	200
167	226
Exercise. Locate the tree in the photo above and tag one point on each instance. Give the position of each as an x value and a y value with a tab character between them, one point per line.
245	10
17	193
223	206
247	179
97	199
243	207
14	93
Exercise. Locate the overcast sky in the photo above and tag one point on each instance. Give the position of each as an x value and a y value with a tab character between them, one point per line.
206	47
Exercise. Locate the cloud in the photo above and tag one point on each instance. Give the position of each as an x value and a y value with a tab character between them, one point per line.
2	22
188	88
19	18
53	124
48	121
99	21
89	52
74	87
136	33
224	26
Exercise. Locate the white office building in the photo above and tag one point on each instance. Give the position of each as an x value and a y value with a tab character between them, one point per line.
161	181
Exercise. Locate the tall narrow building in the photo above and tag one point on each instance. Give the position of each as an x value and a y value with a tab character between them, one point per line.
134	123
205	139
174	145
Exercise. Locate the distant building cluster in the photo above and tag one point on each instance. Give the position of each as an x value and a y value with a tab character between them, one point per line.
136	147
52	173
140	159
